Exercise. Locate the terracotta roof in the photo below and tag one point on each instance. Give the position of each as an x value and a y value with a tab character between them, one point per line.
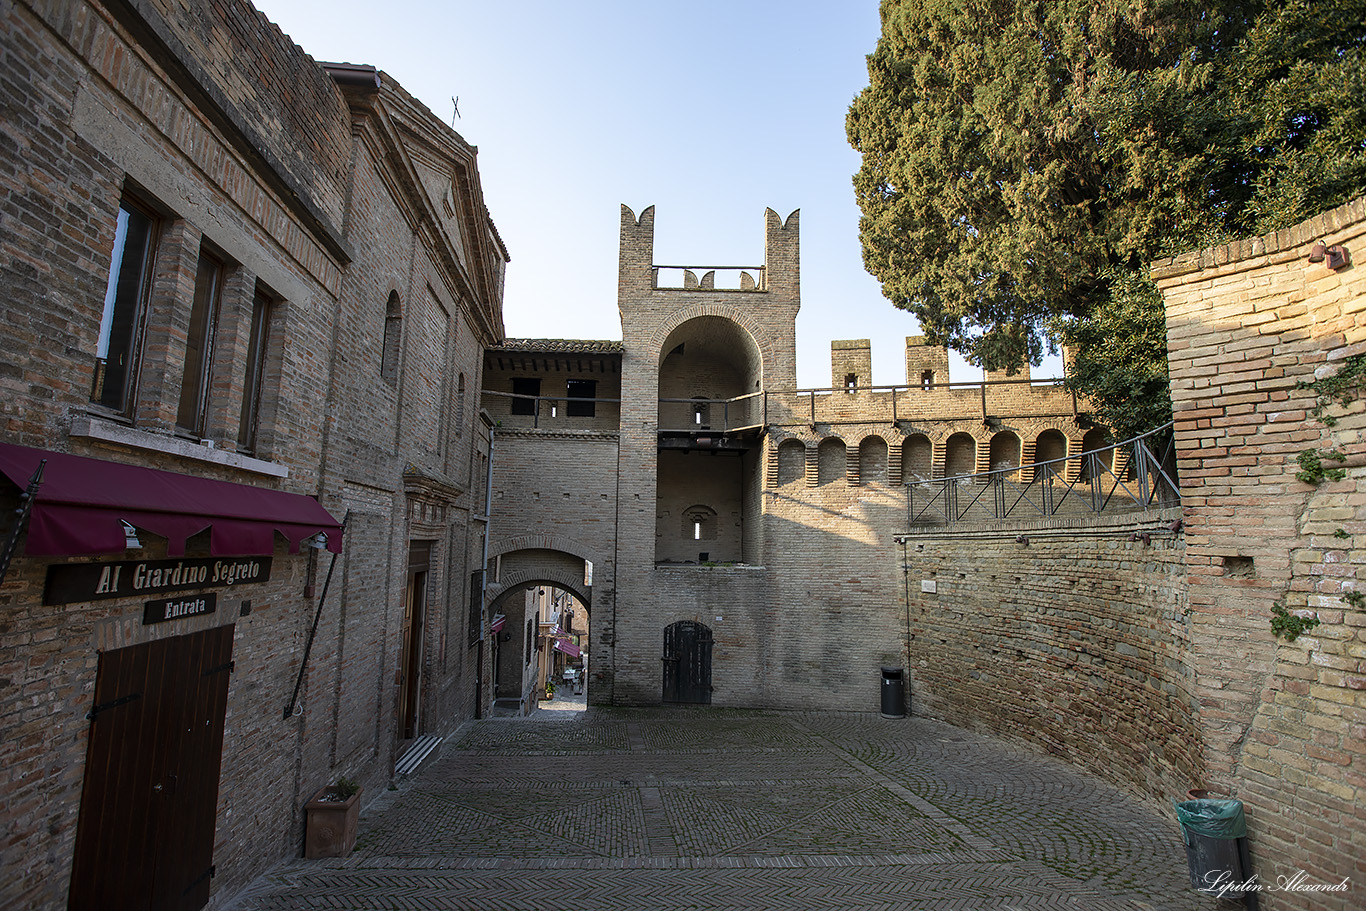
558	346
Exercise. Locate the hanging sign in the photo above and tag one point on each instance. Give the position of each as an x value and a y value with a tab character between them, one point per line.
71	582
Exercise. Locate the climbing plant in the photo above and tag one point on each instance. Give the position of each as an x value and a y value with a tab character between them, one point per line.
1288	626
1341	388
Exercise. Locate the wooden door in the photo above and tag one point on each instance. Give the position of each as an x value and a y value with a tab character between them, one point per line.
146	830
410	643
687	663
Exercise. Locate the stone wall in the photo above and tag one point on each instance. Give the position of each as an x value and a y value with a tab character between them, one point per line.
1283	722
1073	638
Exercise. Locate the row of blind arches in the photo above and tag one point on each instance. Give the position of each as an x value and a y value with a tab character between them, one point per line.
918	458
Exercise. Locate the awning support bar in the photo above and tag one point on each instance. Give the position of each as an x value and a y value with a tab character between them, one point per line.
25	507
293	706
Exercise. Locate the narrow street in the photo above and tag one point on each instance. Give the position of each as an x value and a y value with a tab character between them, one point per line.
729	809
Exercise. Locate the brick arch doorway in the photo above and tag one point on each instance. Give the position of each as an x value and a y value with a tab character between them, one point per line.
535	639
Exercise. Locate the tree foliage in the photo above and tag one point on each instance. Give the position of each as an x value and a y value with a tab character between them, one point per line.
1023	162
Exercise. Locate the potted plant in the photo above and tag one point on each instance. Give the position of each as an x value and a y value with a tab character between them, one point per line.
550	689
332	820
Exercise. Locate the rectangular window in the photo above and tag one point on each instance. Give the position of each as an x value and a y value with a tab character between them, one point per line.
530	389
254	378
125	298
578	390
194	384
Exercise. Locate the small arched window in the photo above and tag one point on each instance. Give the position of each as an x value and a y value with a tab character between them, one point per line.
699	523
393	335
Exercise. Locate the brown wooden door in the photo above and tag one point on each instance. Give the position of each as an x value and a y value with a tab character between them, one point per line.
146	829
414	623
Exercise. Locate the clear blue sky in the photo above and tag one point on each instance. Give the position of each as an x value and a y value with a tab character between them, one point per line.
710	111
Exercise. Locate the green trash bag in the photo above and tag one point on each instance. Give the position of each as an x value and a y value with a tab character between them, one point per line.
1211	818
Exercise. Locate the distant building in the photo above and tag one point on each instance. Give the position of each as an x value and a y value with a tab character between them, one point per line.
729	521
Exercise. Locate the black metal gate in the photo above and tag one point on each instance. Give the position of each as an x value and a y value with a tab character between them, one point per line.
687	663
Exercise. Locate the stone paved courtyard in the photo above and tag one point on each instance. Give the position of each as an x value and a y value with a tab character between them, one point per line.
724	809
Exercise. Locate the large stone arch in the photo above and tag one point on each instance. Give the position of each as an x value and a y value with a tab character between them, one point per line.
535	559
515	581
562	543
760	338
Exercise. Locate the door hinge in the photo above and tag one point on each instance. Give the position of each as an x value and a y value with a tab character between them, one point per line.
229	667
111	704
207	874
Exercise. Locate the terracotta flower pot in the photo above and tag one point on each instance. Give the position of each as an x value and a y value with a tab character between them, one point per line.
331	825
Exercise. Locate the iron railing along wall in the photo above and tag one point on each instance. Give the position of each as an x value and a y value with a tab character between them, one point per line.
1136	474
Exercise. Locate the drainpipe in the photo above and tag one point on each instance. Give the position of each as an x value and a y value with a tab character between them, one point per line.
484	569
488	527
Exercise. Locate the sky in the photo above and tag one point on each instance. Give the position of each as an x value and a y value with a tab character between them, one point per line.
709	111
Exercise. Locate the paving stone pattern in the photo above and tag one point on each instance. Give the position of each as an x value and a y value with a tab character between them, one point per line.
725	809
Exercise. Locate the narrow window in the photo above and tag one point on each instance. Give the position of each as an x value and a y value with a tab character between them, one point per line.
851	382
116	353
701	414
927	380
194	384
254	380
697	529
460	405
578	391
527	390
393	334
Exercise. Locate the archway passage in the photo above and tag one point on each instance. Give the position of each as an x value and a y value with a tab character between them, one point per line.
711	418
541	634
687	663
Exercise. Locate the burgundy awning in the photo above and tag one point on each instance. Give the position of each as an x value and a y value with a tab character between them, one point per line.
569	648
81	502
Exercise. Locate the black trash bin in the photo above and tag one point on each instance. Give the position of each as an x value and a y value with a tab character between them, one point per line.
893	693
1215	833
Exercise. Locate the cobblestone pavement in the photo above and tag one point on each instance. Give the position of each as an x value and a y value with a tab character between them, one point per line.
715	809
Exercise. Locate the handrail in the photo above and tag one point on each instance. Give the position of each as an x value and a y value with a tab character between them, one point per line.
1154	483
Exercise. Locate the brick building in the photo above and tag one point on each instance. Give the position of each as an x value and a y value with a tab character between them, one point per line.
245	297
731	522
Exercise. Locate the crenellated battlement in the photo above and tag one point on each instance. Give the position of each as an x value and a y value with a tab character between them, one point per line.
779	272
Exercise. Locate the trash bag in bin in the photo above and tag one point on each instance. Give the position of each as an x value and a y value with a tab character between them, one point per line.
1211	818
1215	854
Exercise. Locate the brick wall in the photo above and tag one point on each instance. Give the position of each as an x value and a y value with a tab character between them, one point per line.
1283	723
1076	641
254	165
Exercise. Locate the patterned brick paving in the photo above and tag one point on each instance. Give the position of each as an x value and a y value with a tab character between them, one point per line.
721	809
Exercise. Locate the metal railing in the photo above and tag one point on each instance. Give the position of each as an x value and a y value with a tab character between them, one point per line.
744	412
558	408
831	405
1137	474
